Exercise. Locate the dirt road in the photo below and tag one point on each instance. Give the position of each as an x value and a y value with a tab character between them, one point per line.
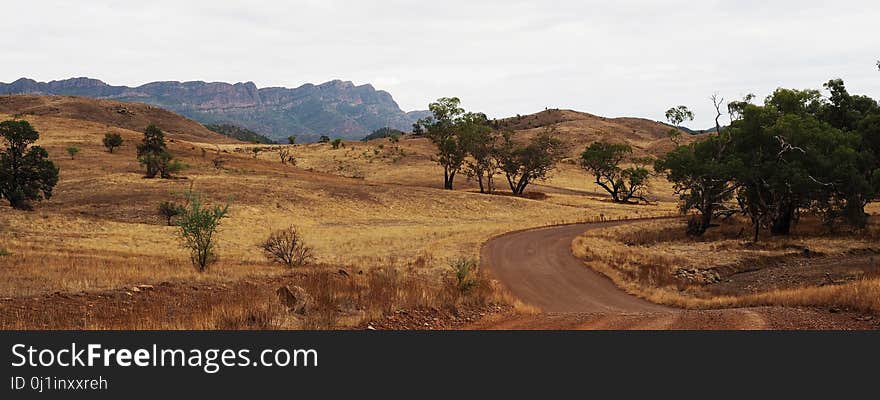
537	267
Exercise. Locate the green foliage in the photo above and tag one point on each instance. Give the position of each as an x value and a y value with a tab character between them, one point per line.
797	151
4	252
198	225
678	115
336	143
603	159
324	139
239	133
393	134
26	173
153	154
72	151
702	177
442	129
291	139
481	143
112	141
465	271
523	164
169	210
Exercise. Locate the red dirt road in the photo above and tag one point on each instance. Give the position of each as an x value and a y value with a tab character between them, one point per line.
538	268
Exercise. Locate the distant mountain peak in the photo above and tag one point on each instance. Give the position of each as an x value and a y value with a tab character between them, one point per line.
337	108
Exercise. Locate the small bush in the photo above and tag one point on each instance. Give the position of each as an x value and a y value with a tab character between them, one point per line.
198	224
286	247
169	210
336	143
72	151
465	271
3	252
112	141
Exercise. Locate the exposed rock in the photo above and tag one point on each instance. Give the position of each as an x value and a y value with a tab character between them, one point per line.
295	299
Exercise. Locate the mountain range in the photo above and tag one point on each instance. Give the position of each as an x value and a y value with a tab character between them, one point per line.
335	108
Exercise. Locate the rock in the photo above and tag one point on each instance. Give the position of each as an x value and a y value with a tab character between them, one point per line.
865	318
135	289
370	328
295	299
145	287
834	310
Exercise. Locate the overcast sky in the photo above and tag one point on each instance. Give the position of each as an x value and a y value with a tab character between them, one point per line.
612	58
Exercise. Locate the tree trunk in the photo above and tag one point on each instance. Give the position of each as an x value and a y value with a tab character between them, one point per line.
448	176
782	223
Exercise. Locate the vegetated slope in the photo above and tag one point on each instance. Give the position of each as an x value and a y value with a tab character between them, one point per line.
336	108
130	116
239	133
579	129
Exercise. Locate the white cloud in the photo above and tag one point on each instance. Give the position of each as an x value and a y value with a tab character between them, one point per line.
502	57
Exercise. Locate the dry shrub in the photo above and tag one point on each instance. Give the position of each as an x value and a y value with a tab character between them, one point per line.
287	247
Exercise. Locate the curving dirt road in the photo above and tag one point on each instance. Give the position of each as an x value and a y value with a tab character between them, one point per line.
538	268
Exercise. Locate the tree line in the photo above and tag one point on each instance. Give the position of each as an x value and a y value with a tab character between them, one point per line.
470	143
797	151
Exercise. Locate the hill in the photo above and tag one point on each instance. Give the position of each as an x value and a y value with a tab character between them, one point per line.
239	133
110	113
579	129
336	108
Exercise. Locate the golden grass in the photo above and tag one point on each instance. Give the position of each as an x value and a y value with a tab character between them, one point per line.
643	258
101	228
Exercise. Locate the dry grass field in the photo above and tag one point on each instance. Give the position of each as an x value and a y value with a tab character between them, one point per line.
99	256
101	230
812	267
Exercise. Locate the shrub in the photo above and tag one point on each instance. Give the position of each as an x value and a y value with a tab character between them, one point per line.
198	224
286	247
169	210
3	252
112	141
72	151
336	143
465	271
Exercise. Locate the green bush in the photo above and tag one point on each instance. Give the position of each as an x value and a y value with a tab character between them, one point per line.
465	271
198	225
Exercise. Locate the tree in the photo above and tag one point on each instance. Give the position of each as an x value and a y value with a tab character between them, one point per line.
702	178
324	139
198	224
286	247
525	164
72	151
676	116
480	143
113	140
603	159
256	151
26	174
169	210
441	129
336	143
153	153
291	139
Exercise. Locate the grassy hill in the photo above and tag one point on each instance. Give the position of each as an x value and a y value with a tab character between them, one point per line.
101	229
109	113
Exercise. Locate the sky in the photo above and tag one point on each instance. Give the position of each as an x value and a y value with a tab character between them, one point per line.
610	58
